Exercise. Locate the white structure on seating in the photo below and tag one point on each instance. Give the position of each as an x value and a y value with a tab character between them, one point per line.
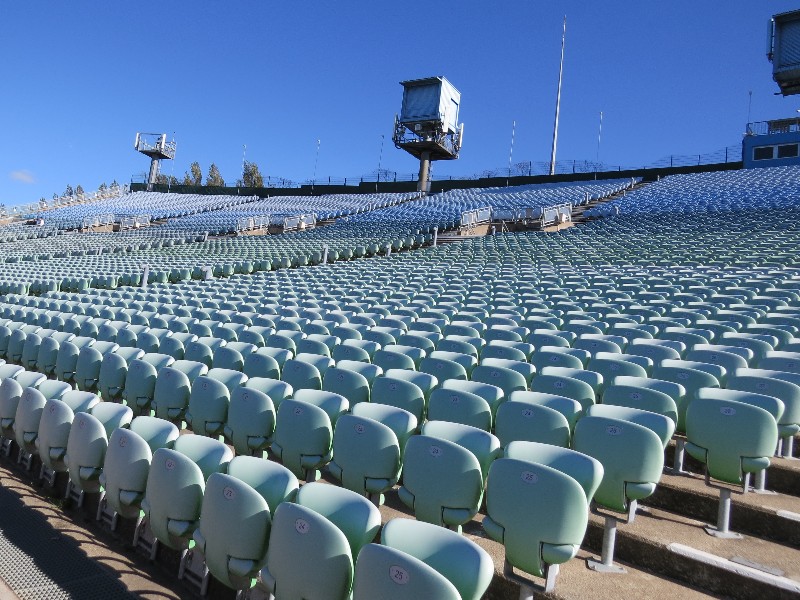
427	126
156	146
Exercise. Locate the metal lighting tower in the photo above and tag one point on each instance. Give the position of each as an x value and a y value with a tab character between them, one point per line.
558	101
783	50
427	126
156	146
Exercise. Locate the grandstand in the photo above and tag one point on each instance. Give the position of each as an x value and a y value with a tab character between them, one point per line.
354	407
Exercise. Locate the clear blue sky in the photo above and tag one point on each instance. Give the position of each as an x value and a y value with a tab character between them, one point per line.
79	79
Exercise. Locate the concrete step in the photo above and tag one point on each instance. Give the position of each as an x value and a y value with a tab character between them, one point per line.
783	475
774	517
678	547
664	551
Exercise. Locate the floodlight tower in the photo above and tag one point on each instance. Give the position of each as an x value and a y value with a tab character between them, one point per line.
783	37
156	146
427	126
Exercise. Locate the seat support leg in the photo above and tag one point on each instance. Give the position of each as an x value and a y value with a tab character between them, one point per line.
788	447
606	564
723	518
677	463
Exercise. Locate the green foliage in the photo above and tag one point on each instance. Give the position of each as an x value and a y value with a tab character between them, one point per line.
214	178
251	176
69	191
170	180
79	190
194	176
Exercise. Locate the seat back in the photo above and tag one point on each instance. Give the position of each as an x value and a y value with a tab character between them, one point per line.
250	420
10	393
301	375
484	445
460	407
353	514
659	424
537	512
86	451
125	469
389	574
632	457
531	422
366	455
691	379
87	368
506	379
300	535
53	434
442	481
403	423
565	386
400	393
208	406
642	398
27	418
173	497
465	564
730	437
140	384
234	529
274	482
303	436
261	365
424	381
351	385
783	389
584	469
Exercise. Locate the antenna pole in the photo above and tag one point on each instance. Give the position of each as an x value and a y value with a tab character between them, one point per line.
558	101
599	133
380	160
316	160
511	149
244	164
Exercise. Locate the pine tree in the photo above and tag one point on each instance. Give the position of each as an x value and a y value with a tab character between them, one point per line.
167	180
251	176
103	187
79	190
214	178
69	191
195	175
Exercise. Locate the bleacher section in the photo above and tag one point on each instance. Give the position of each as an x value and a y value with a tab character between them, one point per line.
459	421
745	190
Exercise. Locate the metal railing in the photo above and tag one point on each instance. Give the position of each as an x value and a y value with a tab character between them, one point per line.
252	223
133	221
98	220
729	154
774	127
299	222
559	213
475	217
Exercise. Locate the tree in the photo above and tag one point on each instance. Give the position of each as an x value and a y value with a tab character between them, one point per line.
194	176
103	187
79	190
69	191
167	180
251	176
214	178
114	184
